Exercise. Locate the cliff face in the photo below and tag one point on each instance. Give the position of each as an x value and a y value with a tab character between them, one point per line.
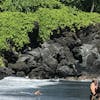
90	48
65	54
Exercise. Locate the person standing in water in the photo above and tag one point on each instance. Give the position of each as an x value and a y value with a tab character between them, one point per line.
93	88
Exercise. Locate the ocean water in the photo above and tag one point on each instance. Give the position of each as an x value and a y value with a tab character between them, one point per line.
16	88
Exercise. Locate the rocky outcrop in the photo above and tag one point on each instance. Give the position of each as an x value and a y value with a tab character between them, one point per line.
90	50
64	71
65	54
19	66
47	61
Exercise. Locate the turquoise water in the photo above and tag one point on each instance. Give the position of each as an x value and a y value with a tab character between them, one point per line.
22	89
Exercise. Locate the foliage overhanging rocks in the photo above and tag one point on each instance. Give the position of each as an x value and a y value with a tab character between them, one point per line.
14	26
37	20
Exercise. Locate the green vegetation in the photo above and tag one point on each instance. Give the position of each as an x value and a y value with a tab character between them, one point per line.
1	62
28	5
15	23
52	19
17	19
85	5
14	27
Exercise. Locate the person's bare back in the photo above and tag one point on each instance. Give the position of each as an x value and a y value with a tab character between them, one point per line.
37	92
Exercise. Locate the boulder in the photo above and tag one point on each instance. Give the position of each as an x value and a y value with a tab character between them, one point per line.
42	71
28	60
65	71
91	58
96	65
65	54
54	48
36	74
45	53
36	53
20	74
24	58
63	62
51	62
19	66
5	72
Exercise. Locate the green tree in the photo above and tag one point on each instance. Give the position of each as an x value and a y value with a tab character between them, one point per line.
85	5
28	5
14	28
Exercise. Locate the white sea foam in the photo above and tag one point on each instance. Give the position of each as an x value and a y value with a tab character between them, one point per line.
22	83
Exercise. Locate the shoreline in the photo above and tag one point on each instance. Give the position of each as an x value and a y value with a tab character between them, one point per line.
69	78
83	78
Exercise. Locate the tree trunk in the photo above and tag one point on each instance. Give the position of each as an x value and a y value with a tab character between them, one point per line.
92	7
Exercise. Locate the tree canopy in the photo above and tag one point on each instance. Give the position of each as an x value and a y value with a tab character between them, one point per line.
85	5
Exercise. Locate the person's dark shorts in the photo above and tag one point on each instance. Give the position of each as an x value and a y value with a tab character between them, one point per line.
91	95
